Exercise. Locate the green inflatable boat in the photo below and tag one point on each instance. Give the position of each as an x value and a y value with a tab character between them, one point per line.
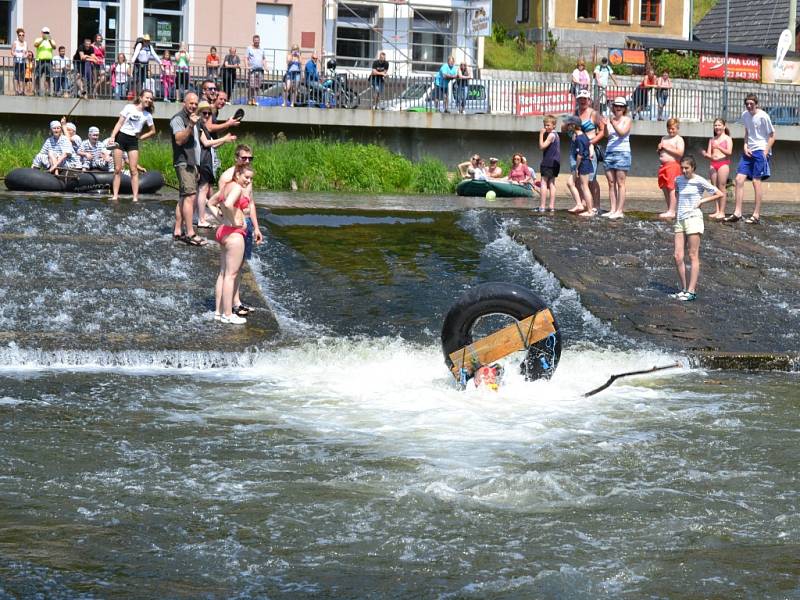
503	189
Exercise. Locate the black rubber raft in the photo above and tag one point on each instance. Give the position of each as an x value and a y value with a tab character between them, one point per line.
36	180
497	298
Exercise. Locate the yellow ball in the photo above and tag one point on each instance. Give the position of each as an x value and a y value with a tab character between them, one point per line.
491	195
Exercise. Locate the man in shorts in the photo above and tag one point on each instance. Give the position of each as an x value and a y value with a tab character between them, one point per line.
184	159
244	156
256	59
759	137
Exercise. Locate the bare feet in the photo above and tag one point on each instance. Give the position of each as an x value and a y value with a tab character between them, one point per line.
577	209
588	213
667	215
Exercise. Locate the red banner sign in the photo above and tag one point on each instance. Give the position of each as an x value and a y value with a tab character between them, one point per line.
544	103
739	66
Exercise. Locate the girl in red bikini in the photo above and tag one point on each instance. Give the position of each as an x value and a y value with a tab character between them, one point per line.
231	235
719	152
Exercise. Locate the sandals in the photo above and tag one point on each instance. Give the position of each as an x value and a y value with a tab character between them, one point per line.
241	310
752	220
178	237
195	240
732	218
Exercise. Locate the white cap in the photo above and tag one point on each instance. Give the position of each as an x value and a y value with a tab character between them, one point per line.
584	94
45	30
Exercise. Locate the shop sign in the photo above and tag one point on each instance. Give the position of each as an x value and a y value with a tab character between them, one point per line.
740	66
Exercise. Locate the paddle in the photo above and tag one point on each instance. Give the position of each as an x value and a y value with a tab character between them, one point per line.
613	378
74	106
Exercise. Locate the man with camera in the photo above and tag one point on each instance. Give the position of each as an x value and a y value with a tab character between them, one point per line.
44	60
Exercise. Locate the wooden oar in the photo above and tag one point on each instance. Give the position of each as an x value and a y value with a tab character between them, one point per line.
613	378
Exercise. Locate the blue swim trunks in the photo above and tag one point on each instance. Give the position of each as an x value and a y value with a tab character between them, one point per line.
248	239
619	160
755	166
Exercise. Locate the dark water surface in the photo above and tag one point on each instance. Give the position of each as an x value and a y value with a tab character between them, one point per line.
339	460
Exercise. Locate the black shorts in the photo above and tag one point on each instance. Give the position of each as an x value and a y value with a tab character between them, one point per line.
550	172
206	175
126	142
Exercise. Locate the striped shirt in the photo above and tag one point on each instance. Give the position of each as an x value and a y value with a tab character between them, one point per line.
690	192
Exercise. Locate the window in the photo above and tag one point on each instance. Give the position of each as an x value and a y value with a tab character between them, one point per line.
355	35
618	11
7	34
431	40
163	22
651	12
523	11
587	10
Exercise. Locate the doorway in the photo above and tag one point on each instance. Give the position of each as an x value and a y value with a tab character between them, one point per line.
100	16
272	24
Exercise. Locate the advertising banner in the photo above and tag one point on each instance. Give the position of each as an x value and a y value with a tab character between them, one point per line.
480	18
618	56
740	66
787	72
543	103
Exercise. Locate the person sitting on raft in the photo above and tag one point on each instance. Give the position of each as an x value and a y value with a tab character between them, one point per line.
520	173
466	168
55	151
75	161
494	171
95	155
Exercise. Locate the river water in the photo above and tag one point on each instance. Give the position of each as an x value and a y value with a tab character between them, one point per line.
340	460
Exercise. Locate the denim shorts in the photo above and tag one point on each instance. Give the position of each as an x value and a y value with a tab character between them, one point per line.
592	174
619	160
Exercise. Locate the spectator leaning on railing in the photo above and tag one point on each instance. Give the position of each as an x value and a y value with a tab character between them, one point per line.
62	65
44	58
230	69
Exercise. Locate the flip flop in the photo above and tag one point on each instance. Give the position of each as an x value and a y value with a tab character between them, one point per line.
239	114
177	237
752	220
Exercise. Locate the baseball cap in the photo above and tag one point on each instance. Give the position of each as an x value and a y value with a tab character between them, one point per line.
620	101
584	94
45	30
572	120
493	160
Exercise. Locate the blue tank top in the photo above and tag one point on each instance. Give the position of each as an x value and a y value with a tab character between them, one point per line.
552	154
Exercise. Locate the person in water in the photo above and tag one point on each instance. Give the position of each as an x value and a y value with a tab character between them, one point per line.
127	134
689	224
719	152
670	150
231	236
55	151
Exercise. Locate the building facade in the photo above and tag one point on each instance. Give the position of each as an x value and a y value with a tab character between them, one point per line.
199	24
596	22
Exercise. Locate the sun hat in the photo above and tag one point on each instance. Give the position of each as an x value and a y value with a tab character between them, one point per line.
620	101
584	94
203	105
45	30
146	37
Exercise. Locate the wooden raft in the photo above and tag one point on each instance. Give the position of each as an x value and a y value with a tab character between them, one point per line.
502	342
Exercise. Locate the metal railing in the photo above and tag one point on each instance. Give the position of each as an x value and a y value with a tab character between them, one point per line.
690	102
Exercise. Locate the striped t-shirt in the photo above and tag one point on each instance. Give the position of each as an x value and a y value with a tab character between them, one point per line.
690	192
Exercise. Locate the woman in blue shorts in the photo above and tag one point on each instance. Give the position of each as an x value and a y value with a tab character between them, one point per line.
618	156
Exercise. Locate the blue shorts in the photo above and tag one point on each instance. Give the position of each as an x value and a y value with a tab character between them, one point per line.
249	238
592	174
619	160
755	166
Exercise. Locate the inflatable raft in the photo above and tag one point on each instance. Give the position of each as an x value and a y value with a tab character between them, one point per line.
503	189
36	180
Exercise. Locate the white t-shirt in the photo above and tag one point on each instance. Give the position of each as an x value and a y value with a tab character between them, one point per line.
758	128
135	120
690	192
256	57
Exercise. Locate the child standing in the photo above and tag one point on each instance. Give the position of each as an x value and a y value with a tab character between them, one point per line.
719	152
580	151
550	145
30	66
167	76
689	224
670	150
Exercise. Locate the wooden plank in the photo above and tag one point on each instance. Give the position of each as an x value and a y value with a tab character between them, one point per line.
503	342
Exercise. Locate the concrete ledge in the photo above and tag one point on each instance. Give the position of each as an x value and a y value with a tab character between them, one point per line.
735	361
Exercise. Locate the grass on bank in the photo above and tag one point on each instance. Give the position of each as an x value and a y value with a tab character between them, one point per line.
315	165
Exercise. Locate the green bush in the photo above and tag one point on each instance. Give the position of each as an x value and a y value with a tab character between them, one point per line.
314	165
680	66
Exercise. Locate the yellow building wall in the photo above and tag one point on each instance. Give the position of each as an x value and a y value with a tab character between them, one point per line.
672	21
505	13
